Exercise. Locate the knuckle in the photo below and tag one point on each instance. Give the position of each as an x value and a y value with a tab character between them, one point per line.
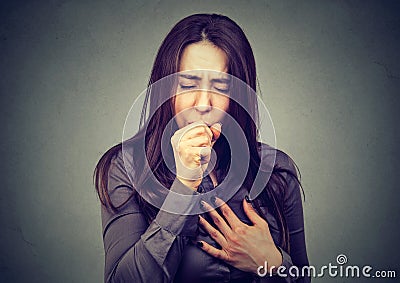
217	221
225	211
264	225
219	256
214	234
240	230
233	238
179	149
231	249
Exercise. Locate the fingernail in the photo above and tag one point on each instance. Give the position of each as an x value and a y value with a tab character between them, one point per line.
202	205
213	199
247	199
199	244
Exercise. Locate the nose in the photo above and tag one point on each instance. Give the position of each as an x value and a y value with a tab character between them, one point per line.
203	101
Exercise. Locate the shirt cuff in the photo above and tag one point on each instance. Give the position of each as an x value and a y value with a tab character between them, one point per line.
280	273
283	270
286	259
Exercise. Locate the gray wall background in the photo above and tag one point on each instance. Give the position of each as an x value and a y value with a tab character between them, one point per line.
330	76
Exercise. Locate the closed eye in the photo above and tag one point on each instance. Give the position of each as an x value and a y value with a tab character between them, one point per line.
187	86
226	90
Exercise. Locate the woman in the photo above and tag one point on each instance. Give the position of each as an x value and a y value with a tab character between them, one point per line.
148	235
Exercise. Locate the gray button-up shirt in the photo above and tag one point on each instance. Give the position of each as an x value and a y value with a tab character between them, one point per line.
163	251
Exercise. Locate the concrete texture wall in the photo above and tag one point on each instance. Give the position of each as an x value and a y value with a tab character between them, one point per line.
330	76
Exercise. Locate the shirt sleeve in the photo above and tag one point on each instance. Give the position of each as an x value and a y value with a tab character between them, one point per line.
134	250
293	211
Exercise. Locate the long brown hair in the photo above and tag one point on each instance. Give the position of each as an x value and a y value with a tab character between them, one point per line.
228	36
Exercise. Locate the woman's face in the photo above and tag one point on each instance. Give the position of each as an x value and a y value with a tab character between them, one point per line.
202	95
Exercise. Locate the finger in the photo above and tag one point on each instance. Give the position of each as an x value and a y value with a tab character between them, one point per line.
252	214
188	127
201	155
204	154
198	141
217	253
218	221
227	212
214	233
216	130
198	132
196	129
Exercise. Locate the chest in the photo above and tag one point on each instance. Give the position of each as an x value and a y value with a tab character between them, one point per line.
198	266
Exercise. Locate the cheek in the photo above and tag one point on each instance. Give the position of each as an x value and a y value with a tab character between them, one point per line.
184	101
179	104
176	107
222	103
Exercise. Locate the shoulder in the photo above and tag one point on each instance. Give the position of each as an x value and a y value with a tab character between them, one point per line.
284	174
120	190
120	178
276	159
117	166
122	163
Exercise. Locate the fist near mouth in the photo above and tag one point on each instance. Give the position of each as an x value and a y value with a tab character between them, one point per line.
192	146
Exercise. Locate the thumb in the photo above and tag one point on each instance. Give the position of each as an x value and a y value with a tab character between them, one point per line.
216	130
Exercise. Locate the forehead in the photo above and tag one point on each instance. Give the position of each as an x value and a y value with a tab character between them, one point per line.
203	56
204	75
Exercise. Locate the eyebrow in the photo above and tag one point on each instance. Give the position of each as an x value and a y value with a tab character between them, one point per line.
197	78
